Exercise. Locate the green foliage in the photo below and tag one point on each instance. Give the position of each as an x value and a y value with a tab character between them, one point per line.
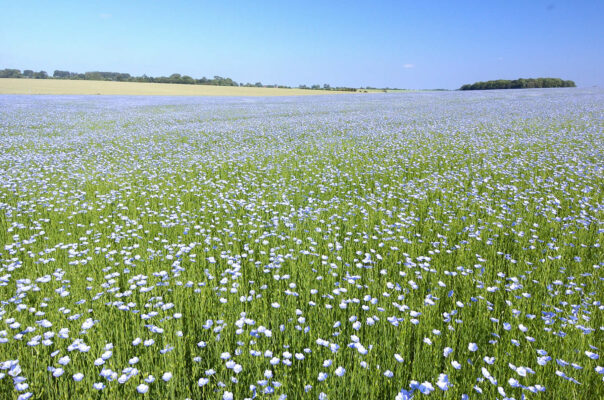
519	84
10	73
118	77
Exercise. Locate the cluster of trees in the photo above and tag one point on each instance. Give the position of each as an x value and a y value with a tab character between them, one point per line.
28	73
327	86
259	84
124	77
376	88
519	84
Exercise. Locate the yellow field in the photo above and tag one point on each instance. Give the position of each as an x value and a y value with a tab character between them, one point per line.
52	86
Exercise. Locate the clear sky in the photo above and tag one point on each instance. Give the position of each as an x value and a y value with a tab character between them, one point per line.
405	44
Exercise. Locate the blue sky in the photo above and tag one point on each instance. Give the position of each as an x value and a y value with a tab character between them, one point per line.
432	44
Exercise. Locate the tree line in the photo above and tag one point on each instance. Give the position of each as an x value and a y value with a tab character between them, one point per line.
174	78
519	84
28	73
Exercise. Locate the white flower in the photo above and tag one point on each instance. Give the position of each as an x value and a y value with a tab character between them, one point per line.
489	360
443	382
340	371
202	381
472	347
426	388
405	395
592	355
88	324
167	376
78	376
142	388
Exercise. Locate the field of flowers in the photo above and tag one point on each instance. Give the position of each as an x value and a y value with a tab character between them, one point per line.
372	246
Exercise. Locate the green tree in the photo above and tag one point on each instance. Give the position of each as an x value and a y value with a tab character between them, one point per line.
10	73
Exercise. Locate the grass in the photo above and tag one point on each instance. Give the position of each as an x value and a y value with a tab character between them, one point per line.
75	87
407	223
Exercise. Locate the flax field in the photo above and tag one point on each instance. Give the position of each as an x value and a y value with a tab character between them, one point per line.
358	246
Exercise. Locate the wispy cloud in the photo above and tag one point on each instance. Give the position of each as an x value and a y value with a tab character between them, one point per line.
408	66
104	16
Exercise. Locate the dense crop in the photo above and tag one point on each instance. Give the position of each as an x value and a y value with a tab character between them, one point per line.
355	246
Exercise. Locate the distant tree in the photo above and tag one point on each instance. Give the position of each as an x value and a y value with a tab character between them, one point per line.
93	76
41	75
187	80
122	77
10	73
28	73
258	84
61	74
326	86
174	78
